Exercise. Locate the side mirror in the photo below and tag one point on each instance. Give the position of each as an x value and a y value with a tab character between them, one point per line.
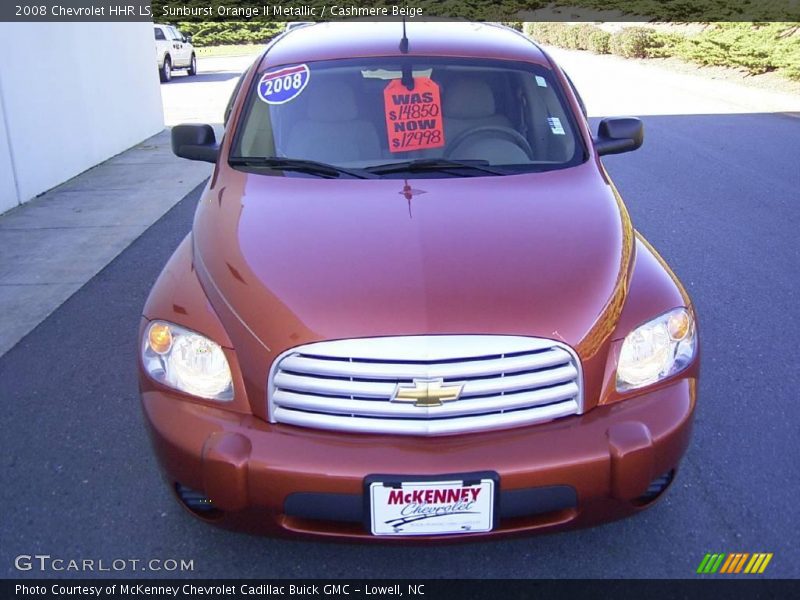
187	39
195	142
619	134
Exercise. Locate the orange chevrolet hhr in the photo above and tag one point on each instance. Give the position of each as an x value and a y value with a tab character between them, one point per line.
412	303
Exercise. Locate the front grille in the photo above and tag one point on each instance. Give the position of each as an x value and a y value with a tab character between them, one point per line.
349	385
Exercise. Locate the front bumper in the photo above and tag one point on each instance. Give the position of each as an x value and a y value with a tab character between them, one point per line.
279	479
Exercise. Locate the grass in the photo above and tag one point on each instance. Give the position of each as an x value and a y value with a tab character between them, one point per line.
229	50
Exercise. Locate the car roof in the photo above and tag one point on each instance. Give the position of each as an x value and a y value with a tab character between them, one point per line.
351	39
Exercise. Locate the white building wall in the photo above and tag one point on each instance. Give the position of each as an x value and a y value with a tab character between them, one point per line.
73	94
8	184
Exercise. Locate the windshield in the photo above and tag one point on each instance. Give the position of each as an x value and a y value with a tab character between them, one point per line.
378	115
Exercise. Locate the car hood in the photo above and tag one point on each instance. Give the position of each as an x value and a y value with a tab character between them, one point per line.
300	259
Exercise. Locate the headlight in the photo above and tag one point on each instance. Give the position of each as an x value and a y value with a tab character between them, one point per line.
656	350
186	361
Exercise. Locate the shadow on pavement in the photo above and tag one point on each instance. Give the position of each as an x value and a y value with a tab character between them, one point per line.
182	78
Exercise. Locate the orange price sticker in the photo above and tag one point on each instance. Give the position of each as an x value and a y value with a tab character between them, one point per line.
413	117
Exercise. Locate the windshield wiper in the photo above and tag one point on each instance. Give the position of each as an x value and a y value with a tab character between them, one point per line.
311	167
434	164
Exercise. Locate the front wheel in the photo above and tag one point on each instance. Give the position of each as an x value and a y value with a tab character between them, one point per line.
165	73
193	66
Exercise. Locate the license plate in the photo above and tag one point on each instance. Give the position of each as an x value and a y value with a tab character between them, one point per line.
445	506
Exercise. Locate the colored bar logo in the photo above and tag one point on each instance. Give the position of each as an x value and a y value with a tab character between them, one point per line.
734	563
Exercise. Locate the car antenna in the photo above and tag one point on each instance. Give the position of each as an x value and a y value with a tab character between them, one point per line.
404	39
408	75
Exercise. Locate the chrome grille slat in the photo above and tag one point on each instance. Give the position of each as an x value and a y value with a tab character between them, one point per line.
333	387
517	383
371	370
370	408
348	385
426	426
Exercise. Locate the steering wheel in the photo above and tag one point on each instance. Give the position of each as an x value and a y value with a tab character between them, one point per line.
488	131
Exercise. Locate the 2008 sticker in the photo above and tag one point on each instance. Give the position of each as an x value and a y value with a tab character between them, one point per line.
283	85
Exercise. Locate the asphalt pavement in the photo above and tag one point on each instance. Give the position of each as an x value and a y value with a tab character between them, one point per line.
717	194
203	97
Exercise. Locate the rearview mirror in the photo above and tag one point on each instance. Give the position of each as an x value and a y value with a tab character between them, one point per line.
195	142
619	134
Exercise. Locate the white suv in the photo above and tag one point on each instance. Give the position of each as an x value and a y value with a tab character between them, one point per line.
173	51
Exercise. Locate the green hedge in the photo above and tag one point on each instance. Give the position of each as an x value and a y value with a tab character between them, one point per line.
593	38
757	48
576	37
753	47
213	33
513	24
633	42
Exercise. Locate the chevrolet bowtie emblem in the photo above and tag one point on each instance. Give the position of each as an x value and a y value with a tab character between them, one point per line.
427	392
